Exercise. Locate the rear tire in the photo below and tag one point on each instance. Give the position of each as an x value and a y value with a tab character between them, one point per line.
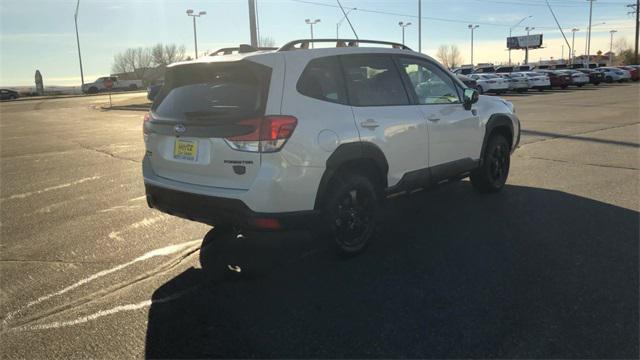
350	213
133	87
492	175
480	90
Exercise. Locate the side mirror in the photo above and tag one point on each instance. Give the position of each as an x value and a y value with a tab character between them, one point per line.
471	96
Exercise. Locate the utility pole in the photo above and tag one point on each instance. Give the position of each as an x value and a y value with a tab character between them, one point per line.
573	43
637	11
252	24
78	41
562	53
339	23
589	33
403	26
513	27
420	29
472	28
611	47
311	23
526	50
191	13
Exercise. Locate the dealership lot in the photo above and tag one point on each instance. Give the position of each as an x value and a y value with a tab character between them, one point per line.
547	268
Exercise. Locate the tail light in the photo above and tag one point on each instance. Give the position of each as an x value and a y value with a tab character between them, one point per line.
145	121
268	134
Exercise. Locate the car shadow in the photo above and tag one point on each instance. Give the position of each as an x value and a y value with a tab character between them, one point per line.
527	272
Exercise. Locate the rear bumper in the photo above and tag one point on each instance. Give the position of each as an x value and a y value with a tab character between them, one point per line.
214	211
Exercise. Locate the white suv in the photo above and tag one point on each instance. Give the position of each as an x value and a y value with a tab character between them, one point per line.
270	140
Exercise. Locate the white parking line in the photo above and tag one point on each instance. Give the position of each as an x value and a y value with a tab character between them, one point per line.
99	314
77	182
146	222
165	251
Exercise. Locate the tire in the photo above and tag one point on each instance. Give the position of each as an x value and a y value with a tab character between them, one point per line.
92	90
133	87
480	90
609	79
581	85
541	90
492	175
350	214
564	87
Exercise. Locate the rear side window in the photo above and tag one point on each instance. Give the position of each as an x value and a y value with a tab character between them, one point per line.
373	80
322	80
214	91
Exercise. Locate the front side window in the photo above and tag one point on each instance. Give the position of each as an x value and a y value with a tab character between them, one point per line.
322	80
373	80
431	84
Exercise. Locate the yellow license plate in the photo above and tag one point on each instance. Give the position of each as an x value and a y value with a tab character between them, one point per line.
185	150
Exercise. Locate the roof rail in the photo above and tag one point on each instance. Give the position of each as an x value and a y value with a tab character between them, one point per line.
304	43
242	49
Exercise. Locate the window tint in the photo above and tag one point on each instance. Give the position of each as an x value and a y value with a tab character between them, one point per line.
431	84
373	81
322	80
213	92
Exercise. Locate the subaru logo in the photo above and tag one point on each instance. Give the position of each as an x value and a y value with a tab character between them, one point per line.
179	128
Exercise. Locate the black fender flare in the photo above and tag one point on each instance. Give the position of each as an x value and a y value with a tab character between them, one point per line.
347	153
495	121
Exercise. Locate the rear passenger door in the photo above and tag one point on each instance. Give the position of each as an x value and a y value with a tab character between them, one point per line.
455	134
384	114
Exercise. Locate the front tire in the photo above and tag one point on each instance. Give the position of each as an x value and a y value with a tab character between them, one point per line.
492	175
350	214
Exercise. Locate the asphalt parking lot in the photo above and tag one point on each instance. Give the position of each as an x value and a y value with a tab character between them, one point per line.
548	268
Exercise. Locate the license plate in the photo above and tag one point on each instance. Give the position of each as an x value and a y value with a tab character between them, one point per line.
185	150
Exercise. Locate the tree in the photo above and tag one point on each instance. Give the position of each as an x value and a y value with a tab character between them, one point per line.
449	56
133	60
164	55
266	41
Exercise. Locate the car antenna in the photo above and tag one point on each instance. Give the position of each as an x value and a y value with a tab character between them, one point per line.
349	21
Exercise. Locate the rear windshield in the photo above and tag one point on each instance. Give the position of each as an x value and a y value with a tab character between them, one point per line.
213	91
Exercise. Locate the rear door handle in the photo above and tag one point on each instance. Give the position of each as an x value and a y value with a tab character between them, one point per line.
369	124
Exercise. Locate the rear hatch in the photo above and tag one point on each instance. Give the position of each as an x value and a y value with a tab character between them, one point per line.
201	107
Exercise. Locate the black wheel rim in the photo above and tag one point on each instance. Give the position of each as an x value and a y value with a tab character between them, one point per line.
353	221
499	164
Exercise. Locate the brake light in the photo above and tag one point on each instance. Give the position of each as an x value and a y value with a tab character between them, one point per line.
147	117
268	134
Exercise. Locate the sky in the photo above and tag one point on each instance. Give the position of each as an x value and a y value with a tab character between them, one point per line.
40	34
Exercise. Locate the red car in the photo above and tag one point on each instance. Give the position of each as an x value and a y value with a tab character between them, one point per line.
558	79
635	74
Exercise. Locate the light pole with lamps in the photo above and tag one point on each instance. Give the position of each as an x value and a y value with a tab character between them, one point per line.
403	26
191	13
472	28
513	27
339	23
573	43
611	47
526	50
311	23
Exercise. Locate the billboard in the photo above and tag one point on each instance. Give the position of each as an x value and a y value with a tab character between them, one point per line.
524	42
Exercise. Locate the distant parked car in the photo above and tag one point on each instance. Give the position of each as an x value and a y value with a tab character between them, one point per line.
536	81
634	72
578	78
98	85
557	79
472	84
595	77
614	74
490	83
516	83
7	94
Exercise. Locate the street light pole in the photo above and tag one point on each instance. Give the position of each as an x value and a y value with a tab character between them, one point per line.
339	23
526	50
472	28
611	47
191	13
403	26
573	42
589	32
311	23
513	27
75	16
